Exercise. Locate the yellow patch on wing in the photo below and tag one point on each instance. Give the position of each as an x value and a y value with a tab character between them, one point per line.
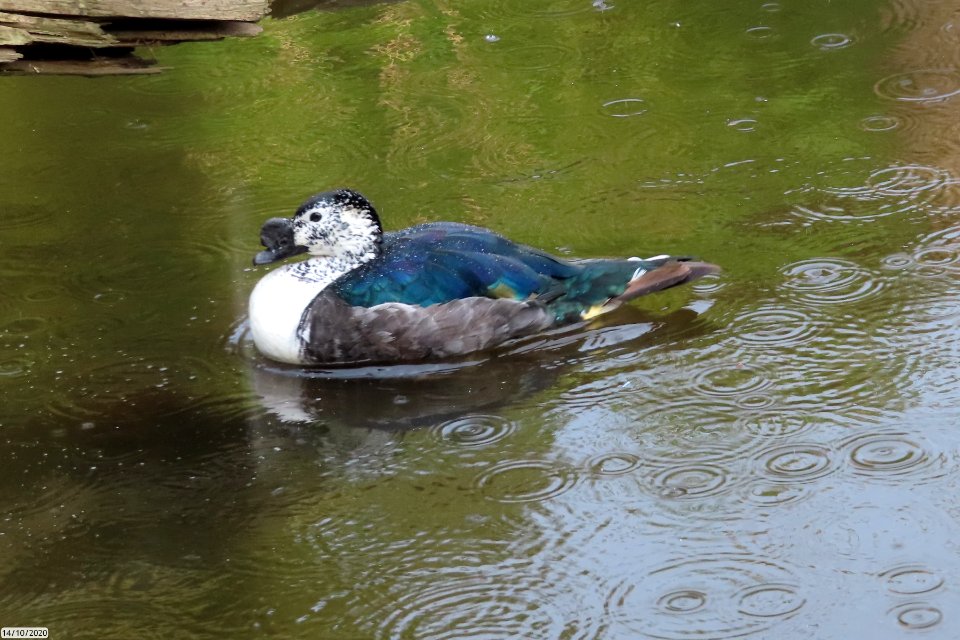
500	290
598	310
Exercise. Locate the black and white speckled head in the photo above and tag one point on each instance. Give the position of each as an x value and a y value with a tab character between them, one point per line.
340	223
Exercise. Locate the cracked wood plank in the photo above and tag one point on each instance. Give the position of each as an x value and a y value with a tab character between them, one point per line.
242	10
184	32
9	55
90	68
54	30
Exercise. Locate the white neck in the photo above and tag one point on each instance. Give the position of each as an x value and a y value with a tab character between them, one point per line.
278	301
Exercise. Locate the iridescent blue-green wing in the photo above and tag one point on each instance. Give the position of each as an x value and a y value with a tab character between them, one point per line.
441	262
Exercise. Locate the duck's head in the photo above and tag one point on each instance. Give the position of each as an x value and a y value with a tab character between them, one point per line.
340	223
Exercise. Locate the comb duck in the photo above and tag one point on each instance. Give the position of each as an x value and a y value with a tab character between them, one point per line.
430	291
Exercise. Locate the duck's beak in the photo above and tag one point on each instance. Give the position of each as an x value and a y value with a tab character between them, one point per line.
276	235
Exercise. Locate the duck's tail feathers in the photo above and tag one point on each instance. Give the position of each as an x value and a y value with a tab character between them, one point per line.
669	273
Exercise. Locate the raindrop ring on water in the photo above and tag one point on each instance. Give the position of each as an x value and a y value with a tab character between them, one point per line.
831	41
905	180
801	462
886	454
708	284
897	261
475	431
760	32
459	606
772	325
770	601
889	456
691	481
775	424
885	191
613	464
917	615
743	124
683	601
880	123
710	596
731	380
923	85
830	281
772	494
911	580
526	481
625	107
937	256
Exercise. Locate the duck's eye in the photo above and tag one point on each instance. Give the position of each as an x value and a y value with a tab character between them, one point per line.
315	217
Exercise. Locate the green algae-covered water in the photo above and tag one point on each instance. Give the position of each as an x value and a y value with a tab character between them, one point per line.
769	453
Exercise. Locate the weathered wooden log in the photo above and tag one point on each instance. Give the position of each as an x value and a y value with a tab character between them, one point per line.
81	33
9	55
97	37
242	10
130	65
13	37
182	32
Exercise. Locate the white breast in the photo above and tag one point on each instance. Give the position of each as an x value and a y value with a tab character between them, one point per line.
276	306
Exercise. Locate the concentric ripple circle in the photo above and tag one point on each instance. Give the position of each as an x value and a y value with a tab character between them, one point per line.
880	123
911	580
906	180
937	256
831	41
479	607
691	481
761	32
774	325
917	615
939	249
800	462
897	261
683	601
475	431
773	424
734	379
708	284
615	463
827	281
770	601
743	124
765	493
714	596
892	455
625	107
922	85
13	367
526	481
24	326
880	192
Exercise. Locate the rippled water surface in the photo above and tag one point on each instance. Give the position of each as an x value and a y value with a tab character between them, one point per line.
770	453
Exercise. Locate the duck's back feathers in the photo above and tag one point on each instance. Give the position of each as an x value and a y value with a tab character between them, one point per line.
333	331
441	262
445	261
